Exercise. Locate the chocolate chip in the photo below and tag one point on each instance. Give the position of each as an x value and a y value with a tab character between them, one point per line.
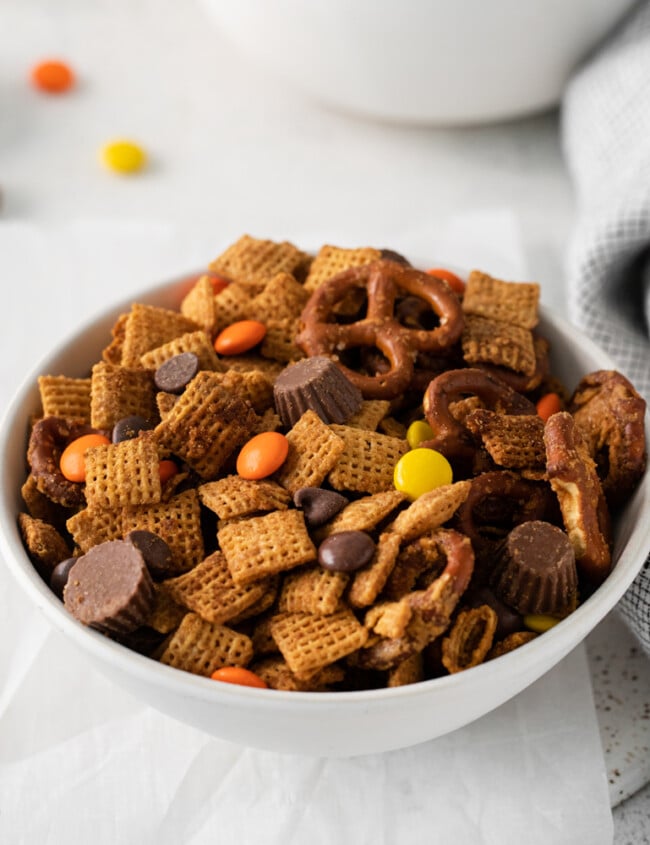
110	589
129	427
318	505
155	551
59	576
346	551
177	372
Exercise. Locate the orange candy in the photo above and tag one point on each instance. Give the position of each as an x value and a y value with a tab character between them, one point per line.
238	675
454	281
262	455
240	337
548	405
72	462
53	77
218	282
167	469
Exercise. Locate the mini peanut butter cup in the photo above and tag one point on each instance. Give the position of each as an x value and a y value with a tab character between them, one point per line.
536	571
315	384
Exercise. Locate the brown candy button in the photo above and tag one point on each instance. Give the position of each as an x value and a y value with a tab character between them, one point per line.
129	427
177	372
318	505
110	589
155	551
315	384
508	620
346	551
59	576
536	570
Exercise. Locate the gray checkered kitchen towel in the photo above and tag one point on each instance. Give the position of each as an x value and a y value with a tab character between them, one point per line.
606	138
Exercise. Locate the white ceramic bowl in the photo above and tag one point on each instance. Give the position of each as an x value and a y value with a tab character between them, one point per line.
326	724
421	61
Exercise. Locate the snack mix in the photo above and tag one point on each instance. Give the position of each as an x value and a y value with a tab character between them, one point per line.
329	472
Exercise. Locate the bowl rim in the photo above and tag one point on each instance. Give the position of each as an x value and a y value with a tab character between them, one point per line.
560	639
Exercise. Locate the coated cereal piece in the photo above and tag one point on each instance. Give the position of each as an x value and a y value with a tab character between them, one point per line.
511	302
332	260
283	296
148	327
314	450
262	604
369	581
165	402
392	427
254	386
234	496
314	590
118	392
112	354
367	461
431	510
208	589
265	545
487	341
41	506
268	421
512	441
65	397
389	619
94	525
418	559
363	514
510	643
45	546
308	642
199	304
279	343
409	671
250	260
263	642
203	647
121	474
254	363
278	675
166	615
232	304
469	639
196	342
371	413
177	522
206	425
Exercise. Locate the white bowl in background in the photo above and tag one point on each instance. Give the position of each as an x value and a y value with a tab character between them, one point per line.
444	62
324	724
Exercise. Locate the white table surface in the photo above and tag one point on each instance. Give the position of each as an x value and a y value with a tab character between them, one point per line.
232	150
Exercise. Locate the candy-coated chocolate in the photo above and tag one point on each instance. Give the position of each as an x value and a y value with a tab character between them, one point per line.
418	432
540	622
52	76
240	337
420	471
346	551
72	463
238	675
123	156
262	455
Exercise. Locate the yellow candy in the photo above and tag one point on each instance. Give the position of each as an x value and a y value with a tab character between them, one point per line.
417	432
420	471
540	622
123	156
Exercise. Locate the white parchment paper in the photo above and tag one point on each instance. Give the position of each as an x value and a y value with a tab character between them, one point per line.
81	761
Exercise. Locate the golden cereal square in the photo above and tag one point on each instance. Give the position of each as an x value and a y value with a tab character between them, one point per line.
45	546
199	305
512	441
312	590
121	474
510	302
251	260
254	386
368	460
166	615
431	510
370	581
177	522
277	675
65	397
264	545
94	525
234	496
314	450
259	607
254	363
196	342
488	341
203	647
148	327
118	392
363	514
233	303
279	343
208	589
113	353
206	425
371	413
332	260
309	642
283	297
